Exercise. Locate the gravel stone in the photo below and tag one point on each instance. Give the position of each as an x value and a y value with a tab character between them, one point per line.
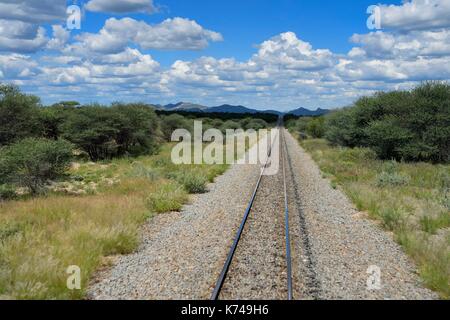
333	245
344	244
182	253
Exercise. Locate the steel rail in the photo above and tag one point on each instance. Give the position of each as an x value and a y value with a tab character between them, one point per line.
226	267
286	221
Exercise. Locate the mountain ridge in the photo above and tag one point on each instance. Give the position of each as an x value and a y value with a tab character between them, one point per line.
227	108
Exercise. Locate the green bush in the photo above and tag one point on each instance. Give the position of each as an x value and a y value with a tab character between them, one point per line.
385	179
172	122
7	192
255	124
316	127
105	133
194	183
169	197
391	177
141	171
18	115
230	124
32	162
409	125
341	129
191	181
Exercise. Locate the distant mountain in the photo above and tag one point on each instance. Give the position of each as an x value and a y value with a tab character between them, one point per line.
227	108
184	106
302	112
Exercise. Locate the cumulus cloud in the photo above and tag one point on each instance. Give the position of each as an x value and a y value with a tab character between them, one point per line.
21	37
60	38
17	66
292	53
33	11
404	45
416	15
114	62
121	6
130	63
20	23
171	34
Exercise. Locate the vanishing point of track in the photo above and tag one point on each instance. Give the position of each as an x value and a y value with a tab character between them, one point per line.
223	275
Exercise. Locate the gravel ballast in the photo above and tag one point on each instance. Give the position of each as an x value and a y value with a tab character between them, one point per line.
258	270
344	244
182	253
333	245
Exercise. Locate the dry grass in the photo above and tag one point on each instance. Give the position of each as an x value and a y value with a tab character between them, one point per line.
96	213
411	200
40	238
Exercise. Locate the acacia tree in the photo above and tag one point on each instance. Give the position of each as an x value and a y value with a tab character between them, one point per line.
18	115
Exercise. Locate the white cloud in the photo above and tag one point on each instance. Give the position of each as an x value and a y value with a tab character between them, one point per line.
21	29
404	45
17	66
60	38
292	53
113	64
416	15
129	64
171	34
121	6
21	37
33	11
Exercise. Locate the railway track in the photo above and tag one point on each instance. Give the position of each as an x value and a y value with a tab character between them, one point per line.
244	227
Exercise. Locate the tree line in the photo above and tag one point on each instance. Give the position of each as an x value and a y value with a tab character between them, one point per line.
38	143
403	125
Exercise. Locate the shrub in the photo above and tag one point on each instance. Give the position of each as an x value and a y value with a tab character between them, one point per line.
105	133
341	128
410	125
169	197
191	181
32	162
316	127
390	177
140	171
7	192
18	115
172	122
230	124
138	131
255	124
387	138
386	179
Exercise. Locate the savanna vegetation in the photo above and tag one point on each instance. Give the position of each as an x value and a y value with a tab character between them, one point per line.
390	154
76	183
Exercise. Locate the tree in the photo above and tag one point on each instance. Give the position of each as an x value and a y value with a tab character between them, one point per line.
341	128
316	127
18	115
255	124
410	125
92	129
138	129
33	161
172	122
104	133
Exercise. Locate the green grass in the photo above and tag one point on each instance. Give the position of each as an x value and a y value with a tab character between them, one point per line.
40	237
409	199
96	213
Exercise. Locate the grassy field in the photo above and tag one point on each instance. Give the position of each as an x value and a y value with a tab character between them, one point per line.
410	200
95	214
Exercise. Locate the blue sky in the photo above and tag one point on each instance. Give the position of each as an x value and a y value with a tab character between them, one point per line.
245	24
260	53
